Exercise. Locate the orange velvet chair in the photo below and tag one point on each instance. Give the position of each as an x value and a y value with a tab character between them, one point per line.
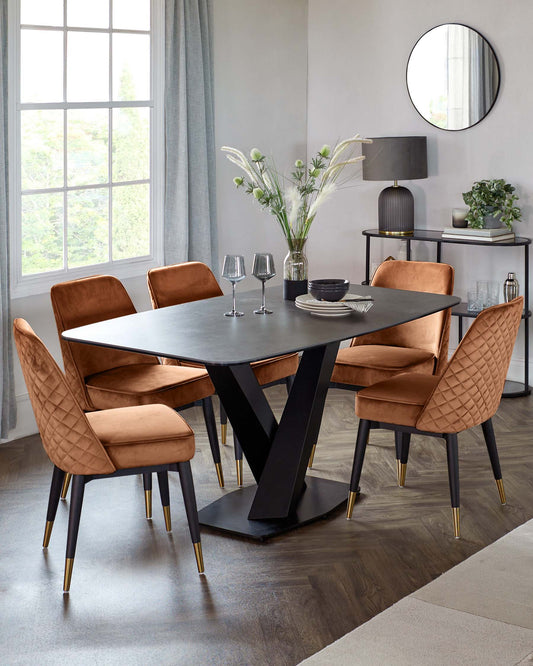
102	444
466	394
101	377
194	281
416	346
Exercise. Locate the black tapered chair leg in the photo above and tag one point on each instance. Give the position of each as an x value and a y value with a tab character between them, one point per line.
223	424
162	478
490	441
58	476
359	456
402	441
147	483
289	381
238	459
211	426
76	502
452	455
189	500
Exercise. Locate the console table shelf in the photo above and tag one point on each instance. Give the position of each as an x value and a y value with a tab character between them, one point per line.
512	389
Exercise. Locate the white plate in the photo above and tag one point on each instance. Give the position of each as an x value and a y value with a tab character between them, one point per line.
330	314
341	309
310	301
312	308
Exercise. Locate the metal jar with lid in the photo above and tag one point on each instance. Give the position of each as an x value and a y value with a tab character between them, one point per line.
510	287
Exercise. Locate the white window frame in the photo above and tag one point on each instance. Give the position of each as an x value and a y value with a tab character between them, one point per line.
26	285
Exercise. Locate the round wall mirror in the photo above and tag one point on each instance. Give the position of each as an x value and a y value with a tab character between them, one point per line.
453	76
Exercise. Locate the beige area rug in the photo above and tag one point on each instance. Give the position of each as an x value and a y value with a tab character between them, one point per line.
480	613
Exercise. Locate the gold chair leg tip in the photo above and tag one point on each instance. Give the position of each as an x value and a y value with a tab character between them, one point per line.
311	457
351	501
220	474
239	466
168	520
199	557
69	563
148	504
501	491
223	433
401	469
47	533
456	529
64	487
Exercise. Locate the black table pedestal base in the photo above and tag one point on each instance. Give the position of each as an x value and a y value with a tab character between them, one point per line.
230	513
515	389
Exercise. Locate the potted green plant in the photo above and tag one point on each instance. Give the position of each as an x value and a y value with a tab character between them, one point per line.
491	204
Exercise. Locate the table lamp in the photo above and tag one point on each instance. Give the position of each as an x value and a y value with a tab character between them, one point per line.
395	158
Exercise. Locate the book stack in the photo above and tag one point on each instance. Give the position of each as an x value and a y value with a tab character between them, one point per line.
487	235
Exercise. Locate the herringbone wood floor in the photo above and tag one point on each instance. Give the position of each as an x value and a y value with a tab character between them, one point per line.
136	597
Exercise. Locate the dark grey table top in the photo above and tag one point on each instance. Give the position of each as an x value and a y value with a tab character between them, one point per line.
199	331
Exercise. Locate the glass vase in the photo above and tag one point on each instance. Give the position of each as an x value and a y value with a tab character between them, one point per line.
295	269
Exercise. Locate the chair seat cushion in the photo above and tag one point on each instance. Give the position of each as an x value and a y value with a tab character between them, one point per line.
143	436
363	365
273	369
146	384
398	400
267	370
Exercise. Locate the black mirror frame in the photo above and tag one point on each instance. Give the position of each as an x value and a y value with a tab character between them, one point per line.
461	129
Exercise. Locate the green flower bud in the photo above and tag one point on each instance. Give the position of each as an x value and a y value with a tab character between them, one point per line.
238	180
256	155
298	164
257	192
314	173
325	150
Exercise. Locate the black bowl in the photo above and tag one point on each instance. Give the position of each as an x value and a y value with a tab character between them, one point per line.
328	289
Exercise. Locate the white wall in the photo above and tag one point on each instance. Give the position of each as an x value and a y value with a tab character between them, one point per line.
260	102
358	52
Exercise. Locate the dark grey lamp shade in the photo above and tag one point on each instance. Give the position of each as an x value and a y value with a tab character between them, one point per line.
395	158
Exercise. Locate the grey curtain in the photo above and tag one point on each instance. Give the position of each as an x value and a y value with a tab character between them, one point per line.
483	78
8	415
190	231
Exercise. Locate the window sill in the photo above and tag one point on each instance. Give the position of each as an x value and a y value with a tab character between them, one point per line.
41	284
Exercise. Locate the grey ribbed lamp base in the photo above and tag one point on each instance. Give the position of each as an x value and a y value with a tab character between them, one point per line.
396	212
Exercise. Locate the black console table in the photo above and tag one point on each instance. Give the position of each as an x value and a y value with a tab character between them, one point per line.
512	389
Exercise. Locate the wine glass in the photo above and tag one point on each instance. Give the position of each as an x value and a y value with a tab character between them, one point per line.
233	270
263	269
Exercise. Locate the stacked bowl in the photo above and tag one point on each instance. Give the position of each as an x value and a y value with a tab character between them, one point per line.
329	289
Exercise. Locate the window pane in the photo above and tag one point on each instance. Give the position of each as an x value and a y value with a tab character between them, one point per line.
131	67
88	67
37	12
131	221
41	62
42	233
88	215
41	149
131	14
87	146
83	14
131	144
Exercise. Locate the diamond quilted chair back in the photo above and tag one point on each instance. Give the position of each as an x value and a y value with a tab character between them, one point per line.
471	386
67	437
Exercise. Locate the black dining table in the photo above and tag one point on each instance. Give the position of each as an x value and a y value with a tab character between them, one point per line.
277	452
